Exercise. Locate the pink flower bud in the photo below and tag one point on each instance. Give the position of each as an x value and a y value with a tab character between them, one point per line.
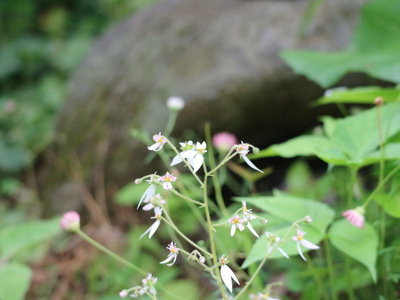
355	216
123	293
224	141
70	221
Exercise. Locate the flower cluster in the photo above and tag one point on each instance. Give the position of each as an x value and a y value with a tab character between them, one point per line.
173	254
193	153
147	287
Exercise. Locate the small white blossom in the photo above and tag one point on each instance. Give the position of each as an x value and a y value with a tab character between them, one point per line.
155	201
173	254
248	217
236	223
273	242
301	241
159	142
153	228
227	274
149	193
175	103
193	153
243	150
167	179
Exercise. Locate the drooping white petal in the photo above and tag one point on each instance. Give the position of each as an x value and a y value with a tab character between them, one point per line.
148	206
227	275
250	164
154	227
150	191
300	252
233	229
167	185
283	253
252	229
308	244
197	162
189	154
176	160
169	258
240	226
174	257
155	147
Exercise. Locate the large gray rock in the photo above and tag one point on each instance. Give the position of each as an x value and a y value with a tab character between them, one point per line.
221	56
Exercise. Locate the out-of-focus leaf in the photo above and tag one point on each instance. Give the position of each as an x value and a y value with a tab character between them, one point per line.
299	146
14	281
360	95
374	49
359	244
18	237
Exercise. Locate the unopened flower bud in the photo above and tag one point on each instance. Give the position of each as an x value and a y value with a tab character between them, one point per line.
137	181
378	101
175	103
224	141
70	221
123	293
263	221
202	260
256	150
308	219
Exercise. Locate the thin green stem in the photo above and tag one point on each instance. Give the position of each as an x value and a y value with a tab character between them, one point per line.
349	277
331	272
109	252
186	198
217	186
380	185
169	221
212	240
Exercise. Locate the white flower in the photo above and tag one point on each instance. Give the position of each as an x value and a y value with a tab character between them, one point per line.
159	142
273	244
167	179
173	254
243	150
148	194
193	153
148	284
152	229
301	241
248	217
236	223
227	274
155	201
175	103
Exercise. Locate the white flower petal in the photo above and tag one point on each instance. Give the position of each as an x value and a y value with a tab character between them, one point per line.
252	229
300	252
197	162
251	165
308	244
227	275
169	258
154	227
176	160
233	229
148	206
167	185
283	253
150	191
189	154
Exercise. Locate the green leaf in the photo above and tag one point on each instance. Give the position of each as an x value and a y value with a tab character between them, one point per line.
300	146
20	237
14	281
359	244
390	203
285	210
360	95
374	49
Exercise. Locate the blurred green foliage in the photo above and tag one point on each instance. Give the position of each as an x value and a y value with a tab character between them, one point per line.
41	43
